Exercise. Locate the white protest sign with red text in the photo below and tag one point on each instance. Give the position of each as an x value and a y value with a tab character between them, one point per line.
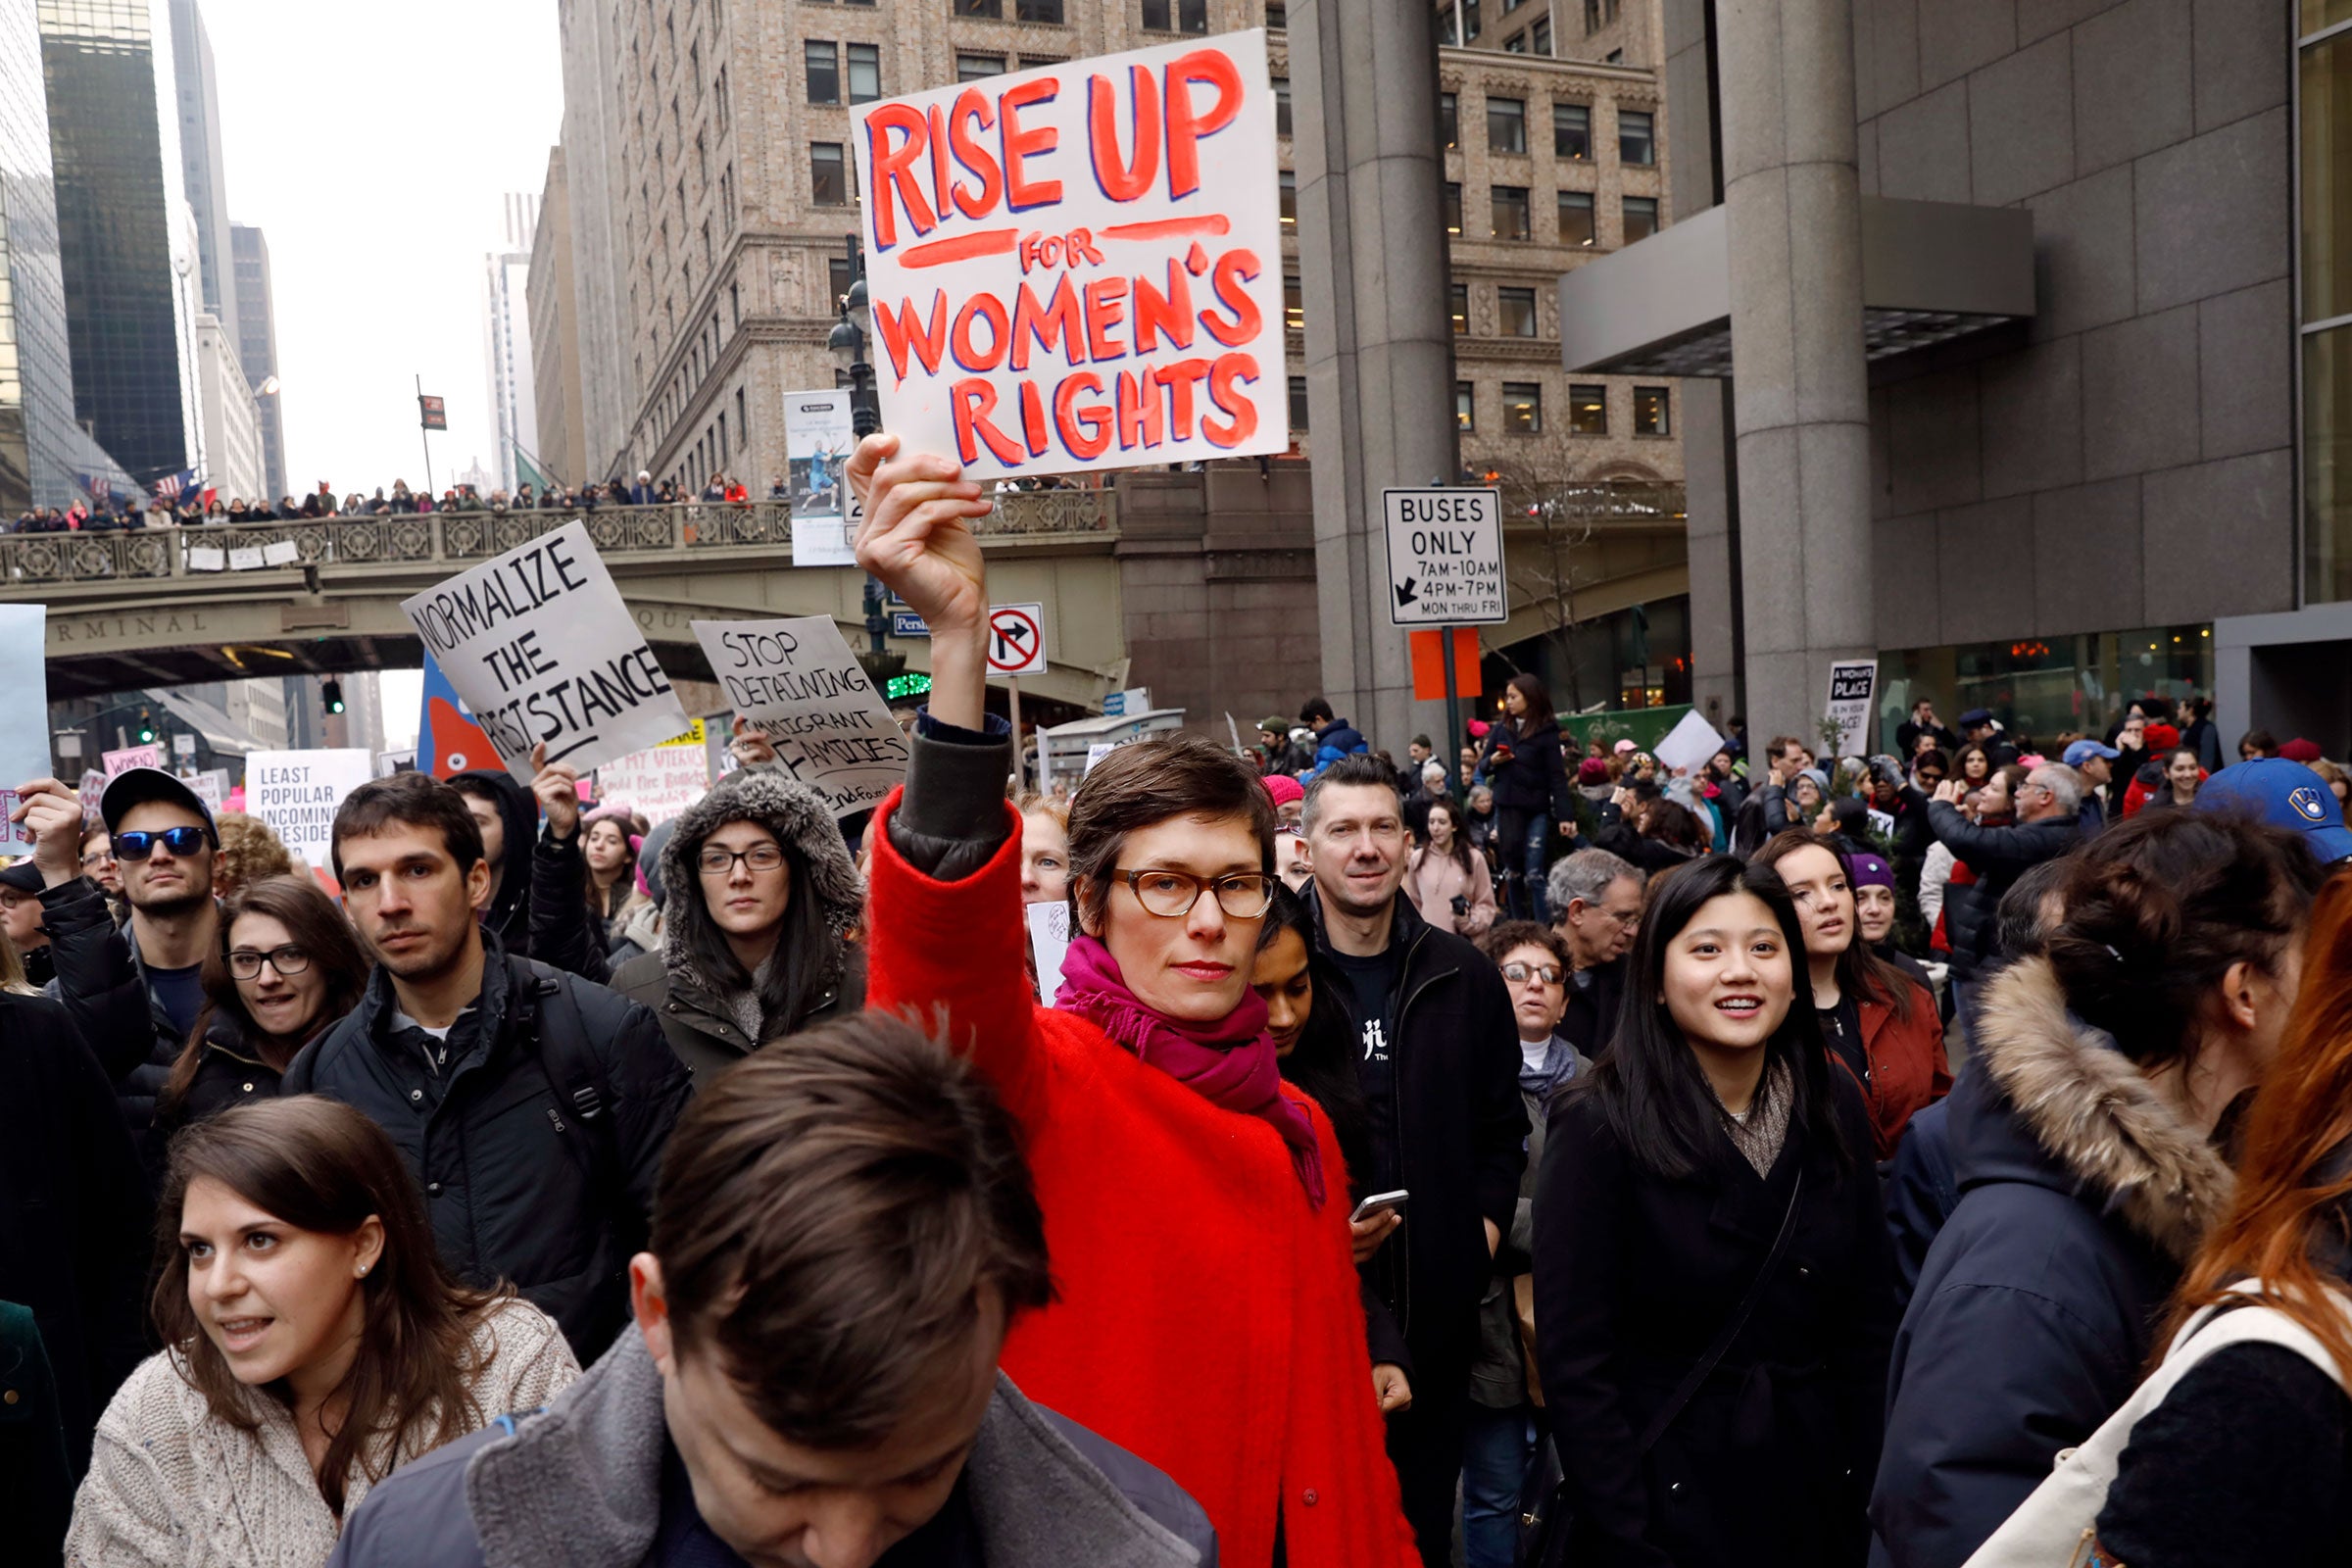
1080	266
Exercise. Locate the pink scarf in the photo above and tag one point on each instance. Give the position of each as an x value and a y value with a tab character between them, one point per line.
1229	1064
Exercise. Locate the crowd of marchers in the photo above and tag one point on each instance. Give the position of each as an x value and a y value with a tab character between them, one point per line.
194	508
1556	1153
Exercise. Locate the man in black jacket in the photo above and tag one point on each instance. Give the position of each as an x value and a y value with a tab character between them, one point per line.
2046	828
531	1107
1596	910
538	907
1439	1066
133	991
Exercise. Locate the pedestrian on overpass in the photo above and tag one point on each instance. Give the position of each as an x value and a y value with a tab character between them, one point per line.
133	992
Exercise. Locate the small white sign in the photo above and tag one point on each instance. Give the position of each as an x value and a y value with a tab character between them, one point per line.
1016	640
284	552
245	557
1853	683
1688	745
203	558
1445	558
1048	945
131	757
659	781
817	441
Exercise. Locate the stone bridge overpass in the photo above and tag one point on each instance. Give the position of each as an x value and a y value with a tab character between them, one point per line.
131	610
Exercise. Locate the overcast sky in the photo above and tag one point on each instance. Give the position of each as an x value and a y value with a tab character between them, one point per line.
372	144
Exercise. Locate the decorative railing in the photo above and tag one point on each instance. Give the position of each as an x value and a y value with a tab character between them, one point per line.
458	538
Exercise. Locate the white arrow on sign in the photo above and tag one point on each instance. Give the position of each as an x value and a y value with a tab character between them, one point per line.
1016	640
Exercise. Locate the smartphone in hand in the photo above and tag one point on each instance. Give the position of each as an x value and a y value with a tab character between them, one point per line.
1377	1204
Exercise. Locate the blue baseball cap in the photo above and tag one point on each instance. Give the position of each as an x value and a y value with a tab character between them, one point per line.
2283	794
2083	750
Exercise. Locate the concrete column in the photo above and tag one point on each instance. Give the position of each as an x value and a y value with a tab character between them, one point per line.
1800	398
1379	341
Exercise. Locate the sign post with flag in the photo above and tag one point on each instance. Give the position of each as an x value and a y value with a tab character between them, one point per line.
432	413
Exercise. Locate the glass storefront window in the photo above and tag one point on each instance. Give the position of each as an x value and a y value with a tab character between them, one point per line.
2042	689
2327	466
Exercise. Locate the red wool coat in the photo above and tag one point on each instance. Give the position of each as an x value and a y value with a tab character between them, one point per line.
1210	1319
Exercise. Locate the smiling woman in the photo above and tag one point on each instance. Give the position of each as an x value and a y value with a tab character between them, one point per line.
314	1343
1707	1222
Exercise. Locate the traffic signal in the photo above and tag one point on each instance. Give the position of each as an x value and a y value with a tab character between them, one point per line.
146	728
332	692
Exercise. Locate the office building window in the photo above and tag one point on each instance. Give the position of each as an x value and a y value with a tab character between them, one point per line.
1030	62
1451	210
1458	297
837	281
1635	143
1506	125
1591	15
1641	218
824	72
1293	303
1509	207
1450	127
1465	405
1469	20
1176	16
984	8
1282	105
1649	412
1588	411
1576	218
1037	11
971	66
828	179
1515	44
1522	407
865	72
1572	131
1278	14
1516	308
1539	37
1446	33
1286	198
1298	402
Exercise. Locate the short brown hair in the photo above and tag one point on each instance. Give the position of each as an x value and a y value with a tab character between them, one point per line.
413	799
1503	936
249	851
829	1211
1150	781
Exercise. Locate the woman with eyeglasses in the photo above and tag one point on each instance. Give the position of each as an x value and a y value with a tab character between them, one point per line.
287	966
1210	1315
759	894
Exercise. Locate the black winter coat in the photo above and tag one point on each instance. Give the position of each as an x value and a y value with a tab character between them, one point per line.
74	1221
2082	1197
1998	855
1535	779
1770	1462
1460	1137
542	914
518	1181
105	991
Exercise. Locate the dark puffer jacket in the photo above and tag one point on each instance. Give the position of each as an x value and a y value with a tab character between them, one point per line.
104	989
2083	1194
540	909
1998	855
520	1180
709	1022
1533	777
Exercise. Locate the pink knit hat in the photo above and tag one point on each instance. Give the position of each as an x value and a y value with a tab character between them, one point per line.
1284	788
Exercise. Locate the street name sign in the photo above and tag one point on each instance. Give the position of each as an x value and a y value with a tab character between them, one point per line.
1445	558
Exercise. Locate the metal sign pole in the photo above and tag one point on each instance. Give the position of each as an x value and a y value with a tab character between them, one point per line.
1021	774
1453	703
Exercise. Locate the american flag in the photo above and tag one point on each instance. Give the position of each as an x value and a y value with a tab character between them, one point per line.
170	485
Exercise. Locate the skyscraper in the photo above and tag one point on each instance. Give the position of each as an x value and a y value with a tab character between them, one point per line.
203	177
257	344
507	332
126	243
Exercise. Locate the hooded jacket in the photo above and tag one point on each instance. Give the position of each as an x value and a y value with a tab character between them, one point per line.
539	911
581	1482
1337	738
711	1024
2083	1195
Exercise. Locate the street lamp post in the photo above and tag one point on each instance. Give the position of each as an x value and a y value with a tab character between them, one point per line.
848	343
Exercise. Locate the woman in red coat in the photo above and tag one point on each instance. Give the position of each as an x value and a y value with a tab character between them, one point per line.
1877	1022
1209	1316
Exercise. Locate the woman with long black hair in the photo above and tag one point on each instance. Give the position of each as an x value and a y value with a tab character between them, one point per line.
1524	764
1713	1278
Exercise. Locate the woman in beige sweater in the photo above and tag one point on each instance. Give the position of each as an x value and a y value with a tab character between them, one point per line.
315	1343
1448	880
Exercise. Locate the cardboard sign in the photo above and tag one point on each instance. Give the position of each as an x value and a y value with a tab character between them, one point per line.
1688	746
1080	266
1445	558
661	780
799	685
1853	683
131	757
297	793
817	441
540	645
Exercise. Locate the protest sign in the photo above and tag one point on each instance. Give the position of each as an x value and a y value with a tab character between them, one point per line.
1055	286
661	780
297	793
1689	745
1049	944
540	645
131	757
211	787
817	441
799	685
23	714
1853	682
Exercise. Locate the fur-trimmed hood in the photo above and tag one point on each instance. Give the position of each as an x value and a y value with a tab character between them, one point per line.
2103	1132
798	817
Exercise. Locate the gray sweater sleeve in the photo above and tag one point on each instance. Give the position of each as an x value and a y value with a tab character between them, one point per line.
950	822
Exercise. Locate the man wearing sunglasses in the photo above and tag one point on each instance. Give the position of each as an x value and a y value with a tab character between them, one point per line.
135	991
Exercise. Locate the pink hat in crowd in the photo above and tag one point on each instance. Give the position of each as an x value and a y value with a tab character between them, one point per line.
1284	788
1624	747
